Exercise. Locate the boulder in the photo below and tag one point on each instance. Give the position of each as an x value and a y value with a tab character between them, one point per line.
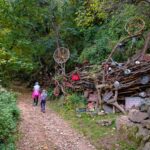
142	132
143	136
147	146
133	102
145	105
123	121
146	124
107	108
136	116
148	112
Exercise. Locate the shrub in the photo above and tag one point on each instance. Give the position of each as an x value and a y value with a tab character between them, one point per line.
9	116
50	93
102	39
75	100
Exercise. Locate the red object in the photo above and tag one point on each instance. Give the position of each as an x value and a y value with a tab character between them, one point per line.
56	91
75	77
146	58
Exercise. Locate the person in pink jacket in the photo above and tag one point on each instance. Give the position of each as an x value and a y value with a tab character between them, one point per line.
36	93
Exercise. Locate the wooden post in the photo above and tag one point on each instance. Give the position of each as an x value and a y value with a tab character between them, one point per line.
99	102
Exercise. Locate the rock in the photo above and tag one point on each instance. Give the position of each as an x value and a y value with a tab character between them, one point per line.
131	102
142	94
137	116
142	132
145	105
147	138
144	79
107	108
101	113
146	124
104	122
45	148
148	112
78	115
147	146
122	121
57	130
143	108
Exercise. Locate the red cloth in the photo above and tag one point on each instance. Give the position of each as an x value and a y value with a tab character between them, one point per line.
75	77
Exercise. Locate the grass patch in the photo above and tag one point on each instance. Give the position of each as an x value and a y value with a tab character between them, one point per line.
124	145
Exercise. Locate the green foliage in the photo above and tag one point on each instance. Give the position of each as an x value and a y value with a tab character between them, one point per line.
127	146
74	100
89	28
50	93
10	64
26	33
92	12
97	52
9	116
108	34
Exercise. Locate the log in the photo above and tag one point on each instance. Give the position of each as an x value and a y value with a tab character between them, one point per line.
118	107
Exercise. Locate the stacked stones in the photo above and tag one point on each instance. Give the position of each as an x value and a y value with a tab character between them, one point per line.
138	118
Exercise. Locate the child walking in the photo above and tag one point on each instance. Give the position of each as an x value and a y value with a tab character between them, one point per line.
43	100
36	93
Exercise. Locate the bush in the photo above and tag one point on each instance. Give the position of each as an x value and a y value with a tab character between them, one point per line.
75	100
9	116
50	93
99	44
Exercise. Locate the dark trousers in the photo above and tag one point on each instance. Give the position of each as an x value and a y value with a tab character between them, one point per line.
36	99
43	103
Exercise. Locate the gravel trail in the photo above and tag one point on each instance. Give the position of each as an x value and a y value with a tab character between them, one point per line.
46	131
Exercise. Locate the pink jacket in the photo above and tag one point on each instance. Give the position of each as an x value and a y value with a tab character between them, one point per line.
35	93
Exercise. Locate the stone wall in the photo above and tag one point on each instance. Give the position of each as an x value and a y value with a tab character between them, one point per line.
137	126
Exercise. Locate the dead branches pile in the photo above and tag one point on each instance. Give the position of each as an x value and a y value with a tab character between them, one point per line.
87	76
114	81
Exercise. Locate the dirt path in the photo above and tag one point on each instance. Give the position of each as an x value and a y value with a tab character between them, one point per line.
46	131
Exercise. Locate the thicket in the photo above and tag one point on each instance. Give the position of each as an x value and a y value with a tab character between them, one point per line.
9	115
89	28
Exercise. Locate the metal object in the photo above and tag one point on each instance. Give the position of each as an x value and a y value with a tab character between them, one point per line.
121	47
135	26
127	71
61	55
142	94
137	62
144	79
116	84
